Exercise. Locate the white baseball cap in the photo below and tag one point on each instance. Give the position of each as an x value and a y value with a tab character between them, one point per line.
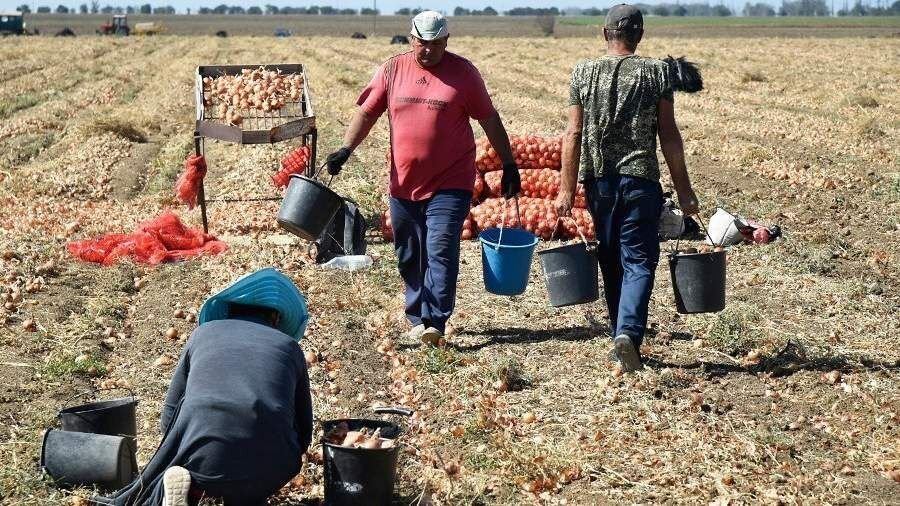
429	25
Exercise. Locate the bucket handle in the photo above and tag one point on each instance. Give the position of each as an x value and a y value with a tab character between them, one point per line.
81	394
503	220
577	229
315	175
705	231
392	410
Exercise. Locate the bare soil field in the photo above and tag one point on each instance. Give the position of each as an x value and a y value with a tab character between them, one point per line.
481	26
791	395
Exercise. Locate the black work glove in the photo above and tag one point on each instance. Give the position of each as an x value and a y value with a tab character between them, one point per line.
336	160
511	183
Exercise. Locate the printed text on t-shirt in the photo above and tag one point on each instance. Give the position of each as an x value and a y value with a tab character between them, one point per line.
433	104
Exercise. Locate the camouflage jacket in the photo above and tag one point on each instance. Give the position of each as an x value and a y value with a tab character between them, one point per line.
625	143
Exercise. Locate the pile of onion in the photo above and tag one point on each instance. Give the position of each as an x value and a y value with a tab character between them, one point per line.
529	151
478	189
537	183
253	90
538	159
469	230
341	435
537	215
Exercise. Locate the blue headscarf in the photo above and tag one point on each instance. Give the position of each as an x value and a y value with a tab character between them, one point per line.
266	288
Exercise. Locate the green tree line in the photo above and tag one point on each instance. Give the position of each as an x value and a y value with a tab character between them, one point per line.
787	8
859	9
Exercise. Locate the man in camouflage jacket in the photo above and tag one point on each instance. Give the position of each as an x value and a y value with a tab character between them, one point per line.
618	105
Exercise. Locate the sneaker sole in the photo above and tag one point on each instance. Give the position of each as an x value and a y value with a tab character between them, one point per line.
176	484
628	356
612	355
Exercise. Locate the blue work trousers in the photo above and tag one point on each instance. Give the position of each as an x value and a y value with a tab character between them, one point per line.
426	239
626	212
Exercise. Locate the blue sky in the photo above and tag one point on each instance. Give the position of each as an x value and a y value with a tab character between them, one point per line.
385	6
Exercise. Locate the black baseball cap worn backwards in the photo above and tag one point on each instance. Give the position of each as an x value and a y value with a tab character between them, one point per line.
624	17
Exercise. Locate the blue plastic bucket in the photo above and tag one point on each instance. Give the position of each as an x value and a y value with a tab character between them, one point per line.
506	259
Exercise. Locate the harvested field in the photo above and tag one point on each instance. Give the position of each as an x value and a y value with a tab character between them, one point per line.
791	395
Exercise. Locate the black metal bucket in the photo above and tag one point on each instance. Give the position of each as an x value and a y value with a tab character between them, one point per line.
698	280
308	207
115	417
355	476
75	459
570	272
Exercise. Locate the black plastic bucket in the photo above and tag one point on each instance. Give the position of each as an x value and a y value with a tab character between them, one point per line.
308	207
570	272
698	280
115	417
356	476
84	459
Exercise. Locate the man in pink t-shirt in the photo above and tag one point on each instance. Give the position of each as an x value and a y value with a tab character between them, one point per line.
429	95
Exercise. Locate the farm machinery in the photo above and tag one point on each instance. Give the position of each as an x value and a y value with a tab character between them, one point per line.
118	25
12	23
147	28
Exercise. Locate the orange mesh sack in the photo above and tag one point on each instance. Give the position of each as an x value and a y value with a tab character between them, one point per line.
188	186
162	239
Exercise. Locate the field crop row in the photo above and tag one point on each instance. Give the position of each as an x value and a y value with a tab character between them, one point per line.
790	395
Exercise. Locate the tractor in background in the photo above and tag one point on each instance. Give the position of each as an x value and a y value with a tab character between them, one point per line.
12	23
118	25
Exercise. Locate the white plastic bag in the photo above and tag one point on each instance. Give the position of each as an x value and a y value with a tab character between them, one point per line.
723	229
349	262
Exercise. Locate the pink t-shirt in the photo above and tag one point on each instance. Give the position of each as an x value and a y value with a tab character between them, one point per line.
431	140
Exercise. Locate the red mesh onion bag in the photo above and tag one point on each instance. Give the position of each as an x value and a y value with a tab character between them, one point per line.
188	185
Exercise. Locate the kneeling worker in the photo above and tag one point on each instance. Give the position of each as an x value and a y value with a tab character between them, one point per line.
238	414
